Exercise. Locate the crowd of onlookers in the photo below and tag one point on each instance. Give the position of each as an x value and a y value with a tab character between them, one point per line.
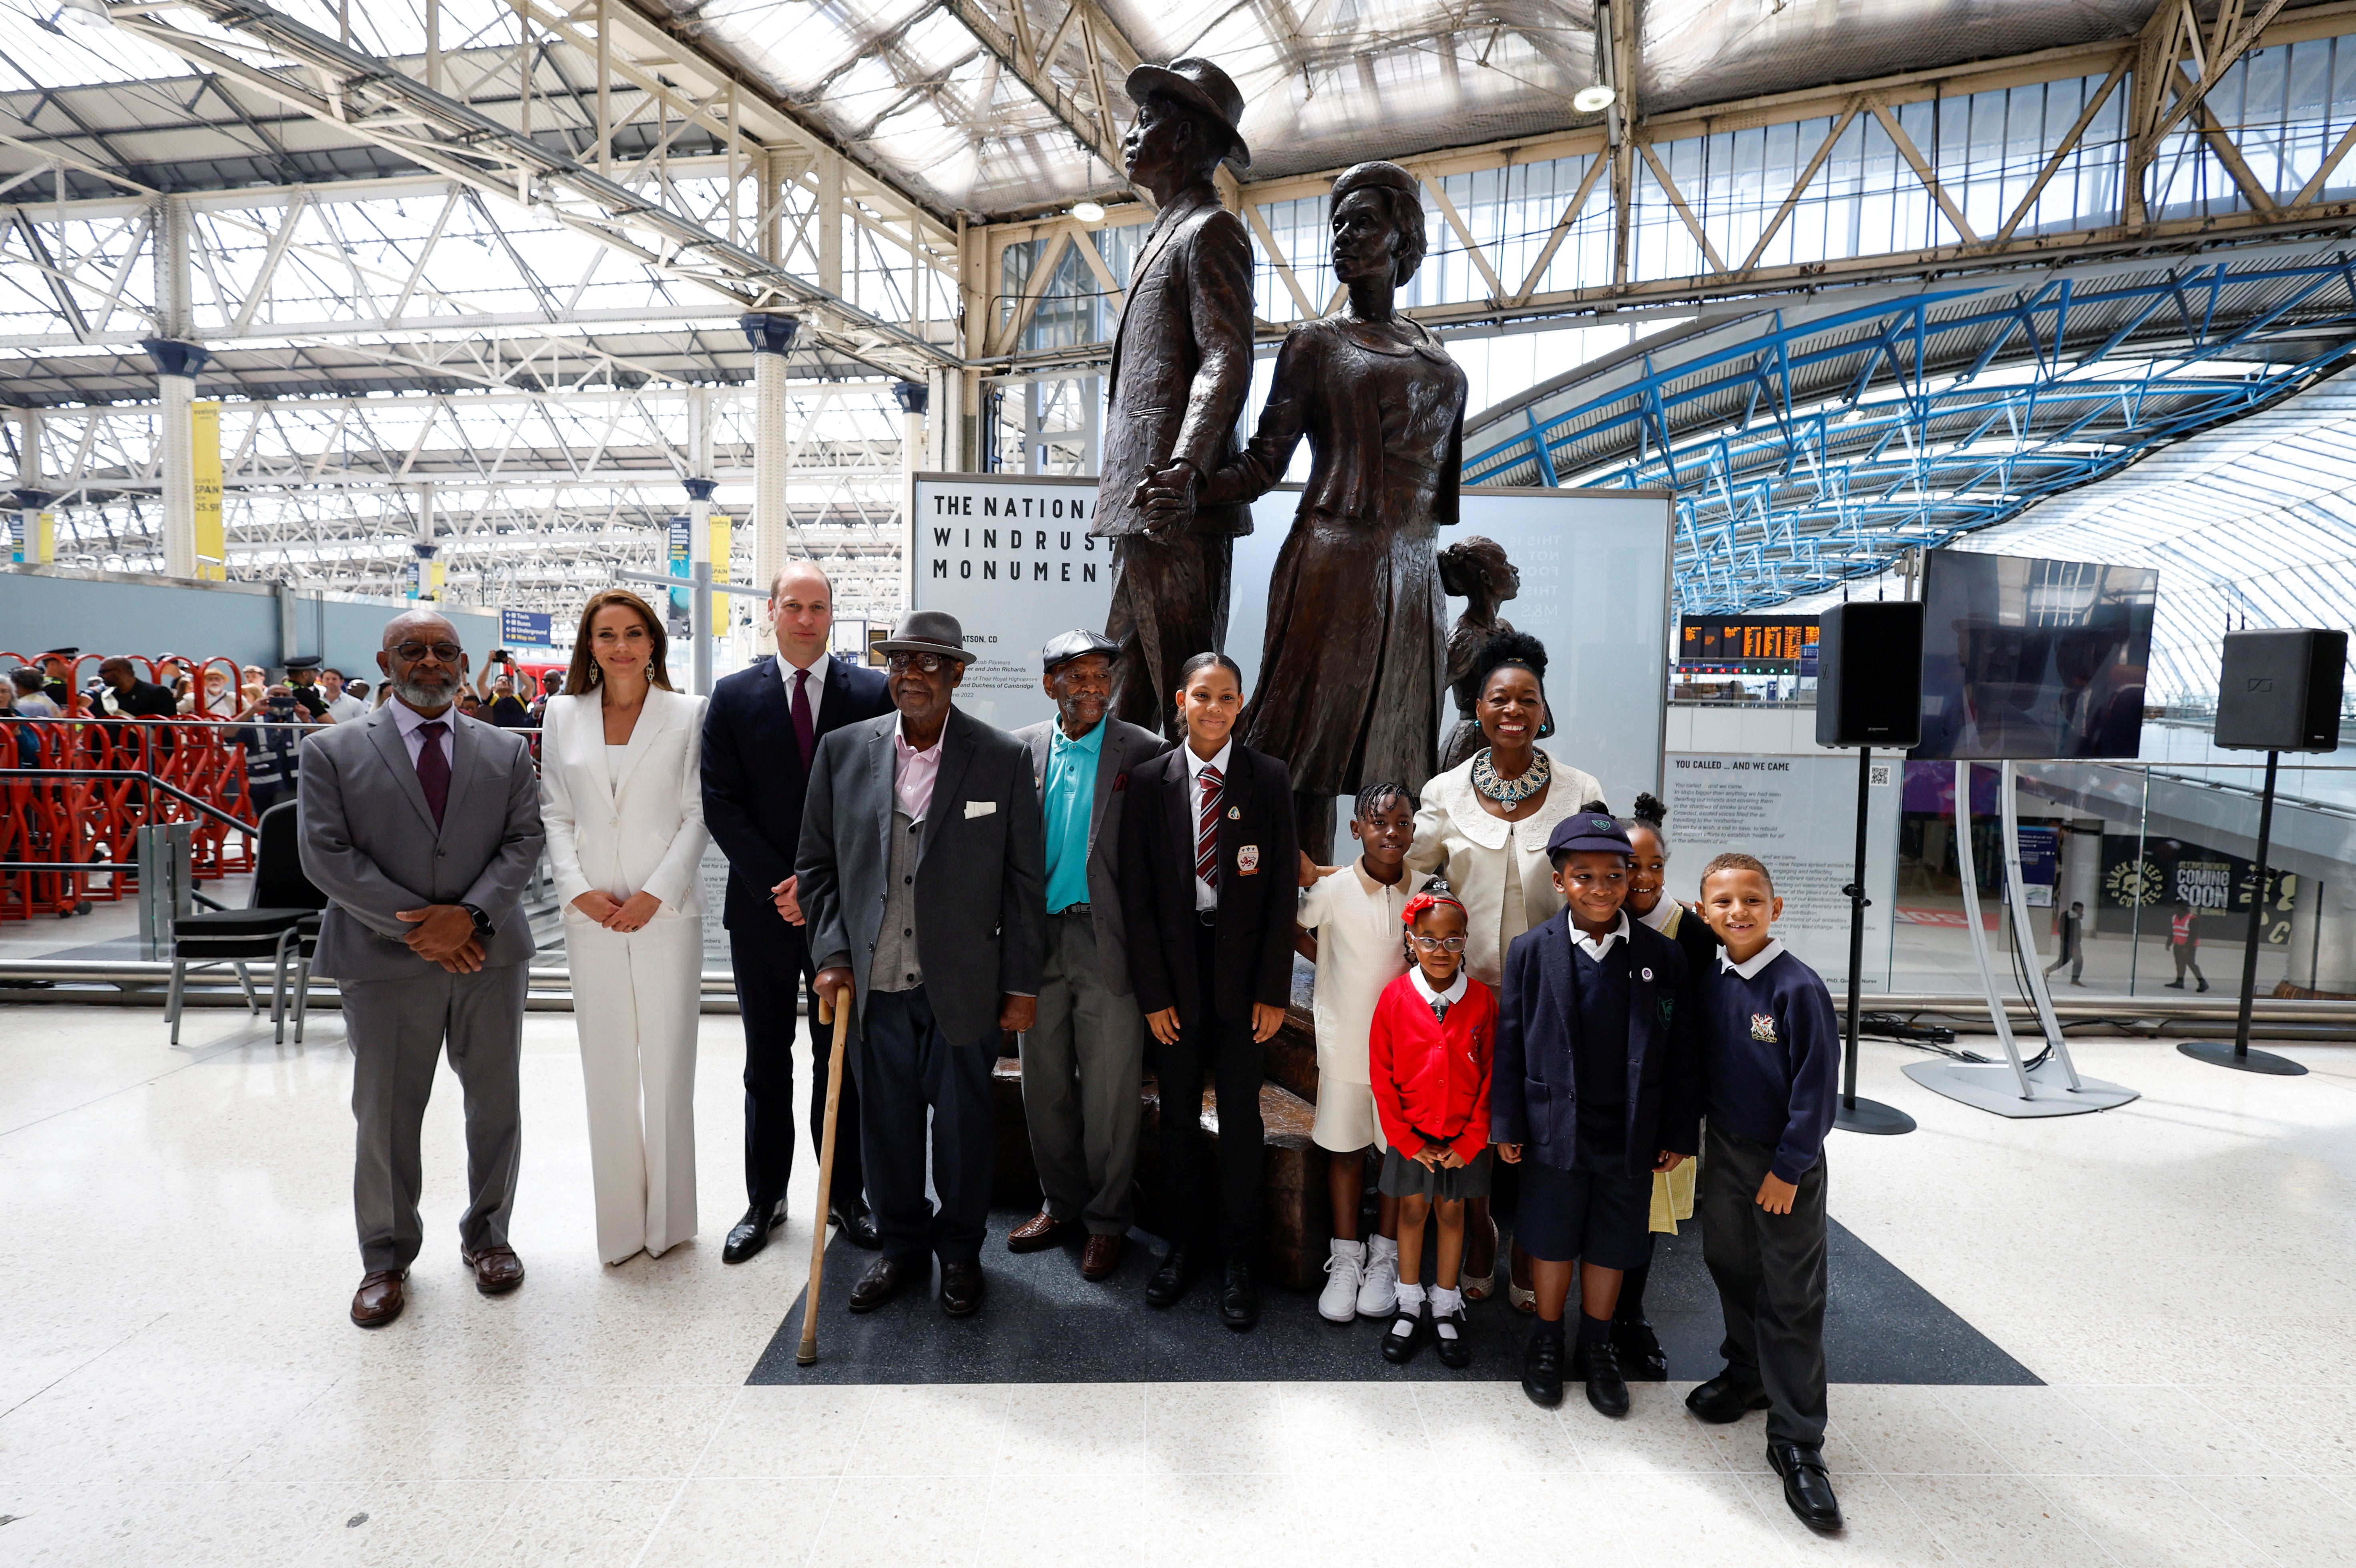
272	715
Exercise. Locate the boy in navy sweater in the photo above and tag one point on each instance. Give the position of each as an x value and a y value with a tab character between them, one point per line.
1770	1065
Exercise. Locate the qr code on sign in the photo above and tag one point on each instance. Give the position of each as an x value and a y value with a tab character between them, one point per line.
1878	773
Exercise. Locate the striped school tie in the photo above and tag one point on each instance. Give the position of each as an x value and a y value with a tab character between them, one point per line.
1206	840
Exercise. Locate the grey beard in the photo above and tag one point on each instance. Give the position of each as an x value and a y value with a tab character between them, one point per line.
420	696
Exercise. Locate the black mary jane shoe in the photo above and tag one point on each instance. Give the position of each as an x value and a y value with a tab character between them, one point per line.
1542	1371
1168	1285
1606	1390
750	1233
1641	1360
1399	1349
1807	1489
1724	1399
1455	1351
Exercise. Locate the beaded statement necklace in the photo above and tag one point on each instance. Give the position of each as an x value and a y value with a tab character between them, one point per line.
1510	791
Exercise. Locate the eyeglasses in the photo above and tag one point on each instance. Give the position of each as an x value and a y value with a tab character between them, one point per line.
929	664
448	653
1437	944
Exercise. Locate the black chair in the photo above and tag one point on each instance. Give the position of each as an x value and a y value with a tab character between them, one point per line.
280	923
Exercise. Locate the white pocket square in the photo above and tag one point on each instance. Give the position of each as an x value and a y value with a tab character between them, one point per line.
974	808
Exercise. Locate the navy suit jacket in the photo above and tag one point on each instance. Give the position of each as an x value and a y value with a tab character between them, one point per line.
1534	1096
753	781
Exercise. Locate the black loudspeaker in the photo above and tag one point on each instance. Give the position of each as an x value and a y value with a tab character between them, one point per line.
1869	675
2279	691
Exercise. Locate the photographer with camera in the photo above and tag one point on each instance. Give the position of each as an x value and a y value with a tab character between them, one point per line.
496	688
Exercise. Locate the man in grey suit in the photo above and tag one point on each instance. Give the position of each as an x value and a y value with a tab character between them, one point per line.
422	827
921	878
1083	1061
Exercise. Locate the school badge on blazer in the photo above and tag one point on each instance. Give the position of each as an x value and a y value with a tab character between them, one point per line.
1248	859
1763	1027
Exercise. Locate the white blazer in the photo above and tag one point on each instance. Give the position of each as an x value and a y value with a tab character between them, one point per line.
1453	835
640	831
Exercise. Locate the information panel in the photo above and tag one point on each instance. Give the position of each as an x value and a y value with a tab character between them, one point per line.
1798	815
1011	557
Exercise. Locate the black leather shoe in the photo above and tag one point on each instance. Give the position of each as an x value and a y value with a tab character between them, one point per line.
1606	1390
1807	1489
857	1222
750	1233
961	1289
1239	1298
1455	1353
1725	1398
1641	1358
1542	1371
1168	1285
1399	1349
884	1280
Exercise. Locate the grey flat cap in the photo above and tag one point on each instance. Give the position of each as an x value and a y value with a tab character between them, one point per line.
1076	645
927	632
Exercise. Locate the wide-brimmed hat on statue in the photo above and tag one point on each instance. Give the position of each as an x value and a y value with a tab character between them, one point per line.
927	632
1198	84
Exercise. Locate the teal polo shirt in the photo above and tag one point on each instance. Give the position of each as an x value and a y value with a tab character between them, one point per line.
1070	795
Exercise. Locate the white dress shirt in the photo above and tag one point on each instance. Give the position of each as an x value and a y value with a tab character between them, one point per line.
1749	968
816	670
1598	947
413	724
914	772
1206	895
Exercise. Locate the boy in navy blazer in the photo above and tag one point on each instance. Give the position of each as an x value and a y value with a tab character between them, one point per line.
1597	1083
761	729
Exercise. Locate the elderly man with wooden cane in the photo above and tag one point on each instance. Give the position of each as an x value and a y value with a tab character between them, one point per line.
923	877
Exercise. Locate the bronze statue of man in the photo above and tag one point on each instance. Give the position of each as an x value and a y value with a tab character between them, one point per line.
1181	367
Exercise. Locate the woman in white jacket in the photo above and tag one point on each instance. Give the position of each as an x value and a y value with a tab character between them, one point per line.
621	791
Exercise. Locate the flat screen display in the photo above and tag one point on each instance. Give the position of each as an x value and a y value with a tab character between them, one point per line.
2030	658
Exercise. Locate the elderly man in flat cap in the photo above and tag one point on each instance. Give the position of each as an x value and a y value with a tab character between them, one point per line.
921	878
1181	366
1084	1059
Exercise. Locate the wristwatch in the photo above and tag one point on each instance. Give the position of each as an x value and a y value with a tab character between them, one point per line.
482	921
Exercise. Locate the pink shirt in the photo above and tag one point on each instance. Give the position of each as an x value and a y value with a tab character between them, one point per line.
915	773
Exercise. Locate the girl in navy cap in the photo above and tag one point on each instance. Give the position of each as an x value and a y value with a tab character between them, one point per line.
1597	1084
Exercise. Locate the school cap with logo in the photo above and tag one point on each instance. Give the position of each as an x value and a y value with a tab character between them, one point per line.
1587	830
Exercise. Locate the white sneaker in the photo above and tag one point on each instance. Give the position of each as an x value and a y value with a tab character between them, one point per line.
1378	1292
1338	1302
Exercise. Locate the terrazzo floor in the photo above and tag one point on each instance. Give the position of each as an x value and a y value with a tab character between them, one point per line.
179	1384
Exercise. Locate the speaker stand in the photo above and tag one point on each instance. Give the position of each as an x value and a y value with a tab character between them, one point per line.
1854	1115
2236	1052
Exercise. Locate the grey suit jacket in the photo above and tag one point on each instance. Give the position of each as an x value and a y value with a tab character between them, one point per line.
1125	746
981	880
370	844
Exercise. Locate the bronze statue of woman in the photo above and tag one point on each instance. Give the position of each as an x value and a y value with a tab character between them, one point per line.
1350	671
1477	572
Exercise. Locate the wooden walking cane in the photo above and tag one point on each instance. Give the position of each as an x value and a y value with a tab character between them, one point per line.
841	1021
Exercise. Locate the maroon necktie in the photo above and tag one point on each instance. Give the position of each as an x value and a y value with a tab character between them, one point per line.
804	730
434	767
1206	839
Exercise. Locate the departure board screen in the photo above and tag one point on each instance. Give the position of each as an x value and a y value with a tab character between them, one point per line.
1749	645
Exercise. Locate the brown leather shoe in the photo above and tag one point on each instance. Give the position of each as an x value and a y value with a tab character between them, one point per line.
379	1300
1037	1233
961	1289
884	1279
1099	1257
497	1269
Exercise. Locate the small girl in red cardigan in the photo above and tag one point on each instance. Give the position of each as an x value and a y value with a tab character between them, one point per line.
1429	1048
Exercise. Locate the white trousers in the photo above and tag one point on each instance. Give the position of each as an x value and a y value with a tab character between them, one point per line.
636	1001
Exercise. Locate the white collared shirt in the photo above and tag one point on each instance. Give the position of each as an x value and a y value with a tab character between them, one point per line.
1664	916
1597	948
914	772
1205	896
1749	968
816	670
412	724
1454	995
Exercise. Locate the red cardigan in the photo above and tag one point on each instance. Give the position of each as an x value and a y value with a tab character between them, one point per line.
1430	1079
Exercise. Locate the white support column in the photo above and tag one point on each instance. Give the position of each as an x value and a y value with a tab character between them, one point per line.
31	495
830	222
421	586
914	397
700	485
772	337
177	362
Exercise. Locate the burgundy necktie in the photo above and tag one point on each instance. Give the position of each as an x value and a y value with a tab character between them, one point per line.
434	767
1207	840
805	729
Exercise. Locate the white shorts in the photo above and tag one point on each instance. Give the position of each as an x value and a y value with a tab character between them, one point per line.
1345	1117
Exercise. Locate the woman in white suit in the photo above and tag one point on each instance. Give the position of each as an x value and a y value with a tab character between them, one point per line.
621	791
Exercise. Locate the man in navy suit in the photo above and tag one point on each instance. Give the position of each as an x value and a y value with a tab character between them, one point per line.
760	731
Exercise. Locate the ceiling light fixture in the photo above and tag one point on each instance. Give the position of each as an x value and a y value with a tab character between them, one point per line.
1088	211
1592	100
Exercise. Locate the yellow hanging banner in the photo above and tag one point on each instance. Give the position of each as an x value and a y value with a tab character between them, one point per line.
212	539
722	540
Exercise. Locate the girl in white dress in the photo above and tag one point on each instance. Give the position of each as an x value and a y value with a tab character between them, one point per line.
621	791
